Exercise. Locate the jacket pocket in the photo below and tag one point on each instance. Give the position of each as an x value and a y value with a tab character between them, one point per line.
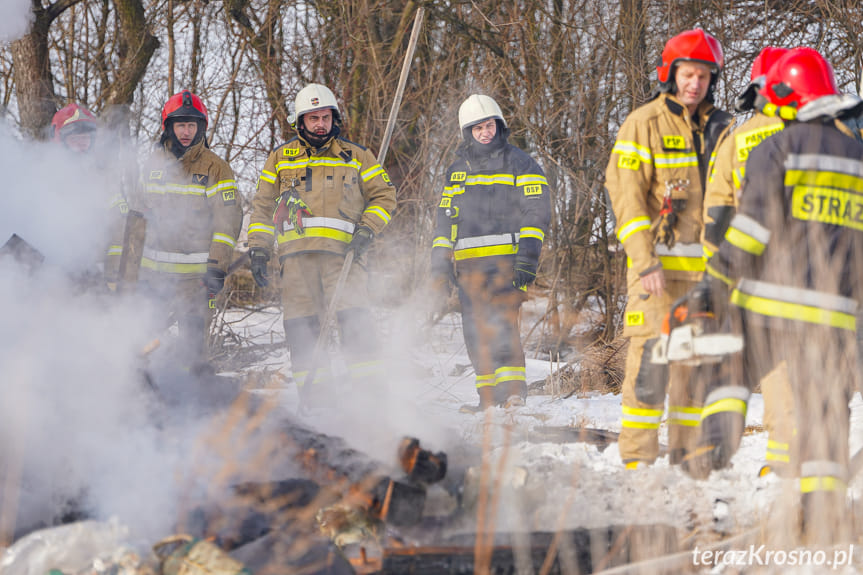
352	203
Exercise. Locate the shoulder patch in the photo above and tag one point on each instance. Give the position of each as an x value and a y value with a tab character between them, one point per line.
156	175
458	177
628	162
533	190
200	179
291	152
635	318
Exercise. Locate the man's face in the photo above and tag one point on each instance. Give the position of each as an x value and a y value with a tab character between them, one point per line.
693	80
185	132
319	122
484	131
79	142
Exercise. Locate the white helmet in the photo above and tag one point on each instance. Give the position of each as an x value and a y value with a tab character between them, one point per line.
476	109
314	97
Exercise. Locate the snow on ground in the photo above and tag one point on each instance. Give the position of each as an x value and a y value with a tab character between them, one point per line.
567	484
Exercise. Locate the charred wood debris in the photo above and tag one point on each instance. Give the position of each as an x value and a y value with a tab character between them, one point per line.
347	514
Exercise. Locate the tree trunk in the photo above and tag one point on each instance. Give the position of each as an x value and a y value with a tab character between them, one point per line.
34	86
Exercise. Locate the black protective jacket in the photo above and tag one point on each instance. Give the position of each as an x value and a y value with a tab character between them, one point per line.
493	205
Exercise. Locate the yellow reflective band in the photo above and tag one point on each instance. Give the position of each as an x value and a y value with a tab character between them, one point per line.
744	242
826	483
321	375
793	311
441	242
823	179
771	444
531	179
268	176
737	178
641	411
453	190
727	405
168	267
535	233
179	189
638	424
486	380
682	264
632	226
626	148
490	180
312	162
262	229
115	250
220	187
676	160
316	232
485	251
780	457
717	274
366	368
707	253
224	239
681	415
379	212
635	464
744	142
371	172
514	373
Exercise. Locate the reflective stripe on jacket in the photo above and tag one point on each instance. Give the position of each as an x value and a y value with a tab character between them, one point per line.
192	207
793	251
495	205
341	183
660	147
727	172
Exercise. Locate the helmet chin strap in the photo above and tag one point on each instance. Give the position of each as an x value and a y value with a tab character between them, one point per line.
314	139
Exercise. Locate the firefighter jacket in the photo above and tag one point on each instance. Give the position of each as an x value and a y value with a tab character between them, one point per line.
661	150
794	249
343	186
118	208
192	210
726	175
494	205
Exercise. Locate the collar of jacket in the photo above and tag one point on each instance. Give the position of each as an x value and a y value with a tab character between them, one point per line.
311	150
192	153
494	160
702	112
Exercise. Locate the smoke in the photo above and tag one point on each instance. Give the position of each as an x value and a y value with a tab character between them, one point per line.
15	18
76	420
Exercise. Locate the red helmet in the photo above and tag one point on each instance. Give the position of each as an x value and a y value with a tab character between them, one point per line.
72	119
799	77
765	59
690	46
184	105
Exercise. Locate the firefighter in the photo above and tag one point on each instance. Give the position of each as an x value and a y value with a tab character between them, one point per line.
188	196
75	128
320	195
655	179
491	221
720	201
790	265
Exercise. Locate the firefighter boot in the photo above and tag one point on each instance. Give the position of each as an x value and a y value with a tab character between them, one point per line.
512	394
486	400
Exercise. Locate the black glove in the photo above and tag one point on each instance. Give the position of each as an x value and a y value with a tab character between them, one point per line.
259	258
214	280
362	240
442	267
524	272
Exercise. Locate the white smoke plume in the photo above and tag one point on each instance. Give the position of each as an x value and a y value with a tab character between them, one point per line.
15	18
75	423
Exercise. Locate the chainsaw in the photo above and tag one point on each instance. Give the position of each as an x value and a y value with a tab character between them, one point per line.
692	337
